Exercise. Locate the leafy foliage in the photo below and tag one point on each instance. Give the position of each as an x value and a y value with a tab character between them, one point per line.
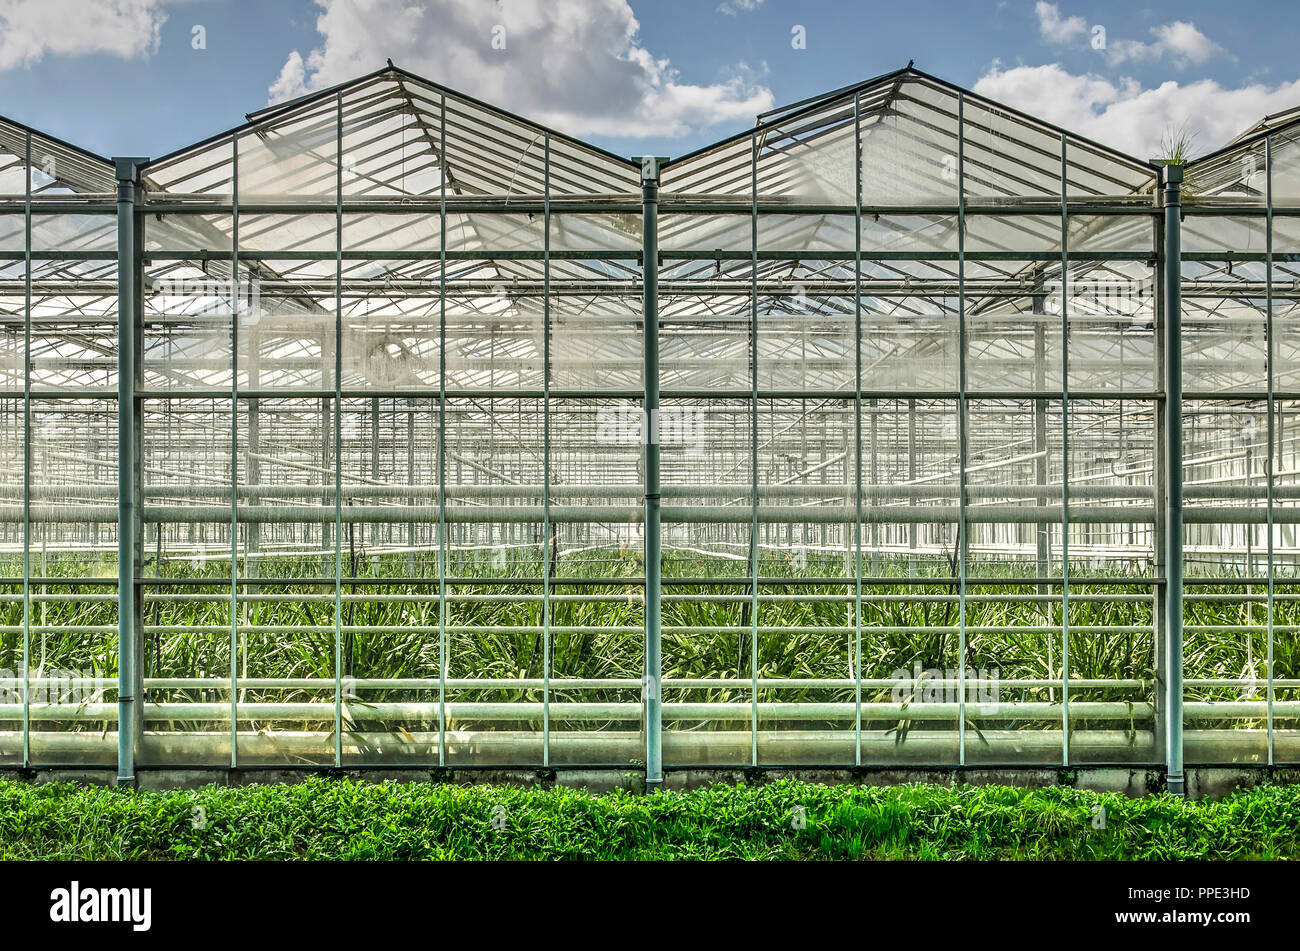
344	820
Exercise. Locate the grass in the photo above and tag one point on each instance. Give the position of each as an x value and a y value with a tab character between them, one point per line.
324	819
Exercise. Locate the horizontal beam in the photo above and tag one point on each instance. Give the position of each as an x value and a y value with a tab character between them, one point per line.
693	514
355	711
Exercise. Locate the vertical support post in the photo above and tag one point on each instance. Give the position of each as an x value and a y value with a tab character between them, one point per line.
1159	530
857	431
129	628
234	451
963	418
1270	466
653	687
443	184
753	451
1173	446
337	437
548	545
27	453
1065	455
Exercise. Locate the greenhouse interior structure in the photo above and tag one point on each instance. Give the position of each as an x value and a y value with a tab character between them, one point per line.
901	429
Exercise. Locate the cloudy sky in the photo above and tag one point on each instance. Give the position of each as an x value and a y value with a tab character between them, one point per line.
663	77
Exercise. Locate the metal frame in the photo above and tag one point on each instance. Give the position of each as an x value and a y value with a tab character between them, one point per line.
748	219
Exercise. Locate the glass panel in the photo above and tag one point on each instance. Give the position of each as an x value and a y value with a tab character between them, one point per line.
74	567
296	156
910	476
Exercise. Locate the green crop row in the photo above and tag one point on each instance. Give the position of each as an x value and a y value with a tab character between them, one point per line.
343	819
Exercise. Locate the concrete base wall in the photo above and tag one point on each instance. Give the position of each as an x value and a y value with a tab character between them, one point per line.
1205	782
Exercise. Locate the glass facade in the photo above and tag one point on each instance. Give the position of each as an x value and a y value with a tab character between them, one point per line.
386	430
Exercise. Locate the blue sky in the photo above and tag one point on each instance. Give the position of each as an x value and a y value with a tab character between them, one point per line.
123	76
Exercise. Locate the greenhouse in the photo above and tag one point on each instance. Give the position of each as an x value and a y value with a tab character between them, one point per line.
390	429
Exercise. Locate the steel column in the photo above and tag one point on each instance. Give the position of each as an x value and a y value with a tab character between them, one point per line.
548	542
129	622
1065	458
27	451
1173	460
337	438
963	422
442	429
650	168
753	450
234	452
1270	466
857	432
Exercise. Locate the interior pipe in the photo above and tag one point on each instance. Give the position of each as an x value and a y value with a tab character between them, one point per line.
768	711
688	748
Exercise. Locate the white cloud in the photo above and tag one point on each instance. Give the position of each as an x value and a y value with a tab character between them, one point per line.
292	79
1129	117
574	64
32	29
733	7
1180	41
1058	29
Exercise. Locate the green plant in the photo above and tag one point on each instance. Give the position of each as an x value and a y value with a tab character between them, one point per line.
346	819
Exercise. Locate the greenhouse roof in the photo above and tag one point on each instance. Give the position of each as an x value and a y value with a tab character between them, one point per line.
59	166
392	134
392	131
409	144
909	125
